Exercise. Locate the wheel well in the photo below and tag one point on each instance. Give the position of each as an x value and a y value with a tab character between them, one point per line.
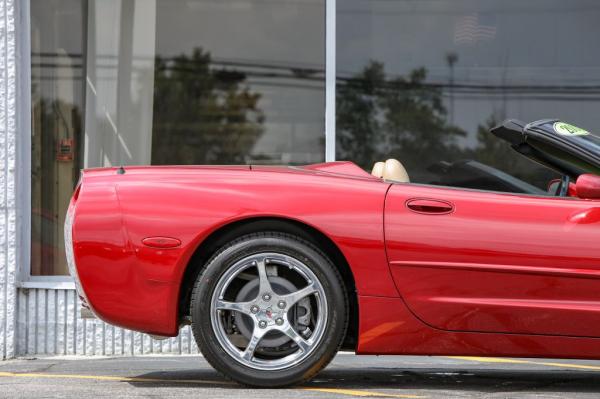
231	231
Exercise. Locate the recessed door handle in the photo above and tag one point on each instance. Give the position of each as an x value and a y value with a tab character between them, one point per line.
429	206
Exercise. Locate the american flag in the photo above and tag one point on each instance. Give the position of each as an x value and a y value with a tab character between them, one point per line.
473	28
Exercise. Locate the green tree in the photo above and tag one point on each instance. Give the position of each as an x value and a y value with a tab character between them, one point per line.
202	115
492	151
403	117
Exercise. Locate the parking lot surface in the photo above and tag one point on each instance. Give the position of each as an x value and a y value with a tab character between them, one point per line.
348	376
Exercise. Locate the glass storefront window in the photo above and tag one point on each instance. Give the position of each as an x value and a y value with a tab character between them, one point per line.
423	81
123	82
205	82
57	104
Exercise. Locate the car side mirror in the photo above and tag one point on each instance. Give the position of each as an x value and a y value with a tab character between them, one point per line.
588	186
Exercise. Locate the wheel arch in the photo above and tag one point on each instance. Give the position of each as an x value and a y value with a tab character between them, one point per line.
236	229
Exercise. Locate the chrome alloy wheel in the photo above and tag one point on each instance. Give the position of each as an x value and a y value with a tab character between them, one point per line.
284	309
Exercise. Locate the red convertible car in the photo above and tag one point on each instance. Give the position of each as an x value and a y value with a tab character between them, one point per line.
277	268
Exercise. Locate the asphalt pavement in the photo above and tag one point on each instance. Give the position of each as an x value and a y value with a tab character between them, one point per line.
348	376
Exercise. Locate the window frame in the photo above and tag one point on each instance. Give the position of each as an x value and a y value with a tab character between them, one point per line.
23	159
330	78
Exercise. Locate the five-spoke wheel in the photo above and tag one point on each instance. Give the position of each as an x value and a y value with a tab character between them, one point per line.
269	309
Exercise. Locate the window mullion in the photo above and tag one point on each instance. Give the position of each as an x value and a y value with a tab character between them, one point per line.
330	76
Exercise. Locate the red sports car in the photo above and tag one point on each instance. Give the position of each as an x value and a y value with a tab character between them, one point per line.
276	268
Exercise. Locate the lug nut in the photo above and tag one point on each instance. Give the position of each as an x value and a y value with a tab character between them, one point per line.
262	324
281	304
254	309
267	297
279	321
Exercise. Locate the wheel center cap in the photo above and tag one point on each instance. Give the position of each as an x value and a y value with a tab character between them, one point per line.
270	315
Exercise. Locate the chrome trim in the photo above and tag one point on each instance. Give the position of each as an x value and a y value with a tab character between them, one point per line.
269	311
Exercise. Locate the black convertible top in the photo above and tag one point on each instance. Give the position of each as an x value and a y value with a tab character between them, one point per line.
565	148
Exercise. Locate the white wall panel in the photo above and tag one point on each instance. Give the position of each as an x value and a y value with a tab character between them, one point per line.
49	323
8	135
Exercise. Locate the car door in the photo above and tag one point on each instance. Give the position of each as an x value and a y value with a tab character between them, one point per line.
468	260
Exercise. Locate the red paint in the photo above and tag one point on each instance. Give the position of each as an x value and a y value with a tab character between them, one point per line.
499	263
388	327
469	272
588	186
572	191
339	167
132	285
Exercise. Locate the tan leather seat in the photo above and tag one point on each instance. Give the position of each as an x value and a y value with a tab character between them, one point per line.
393	170
377	170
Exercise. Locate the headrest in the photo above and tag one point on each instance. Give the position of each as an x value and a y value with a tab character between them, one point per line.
393	170
378	169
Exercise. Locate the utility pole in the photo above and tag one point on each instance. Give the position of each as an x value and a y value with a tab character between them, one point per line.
451	59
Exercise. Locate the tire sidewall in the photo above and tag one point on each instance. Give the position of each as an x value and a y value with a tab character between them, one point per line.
323	269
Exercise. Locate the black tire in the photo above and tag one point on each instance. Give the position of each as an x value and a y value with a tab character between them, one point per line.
323	350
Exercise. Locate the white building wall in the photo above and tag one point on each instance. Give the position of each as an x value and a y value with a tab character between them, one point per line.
49	323
8	140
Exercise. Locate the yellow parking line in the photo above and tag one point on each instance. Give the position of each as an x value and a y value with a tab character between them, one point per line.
568	365
515	361
352	392
111	378
349	392
488	359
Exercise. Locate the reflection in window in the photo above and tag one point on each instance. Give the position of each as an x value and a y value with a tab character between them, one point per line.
203	115
123	82
56	125
205	82
424	81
